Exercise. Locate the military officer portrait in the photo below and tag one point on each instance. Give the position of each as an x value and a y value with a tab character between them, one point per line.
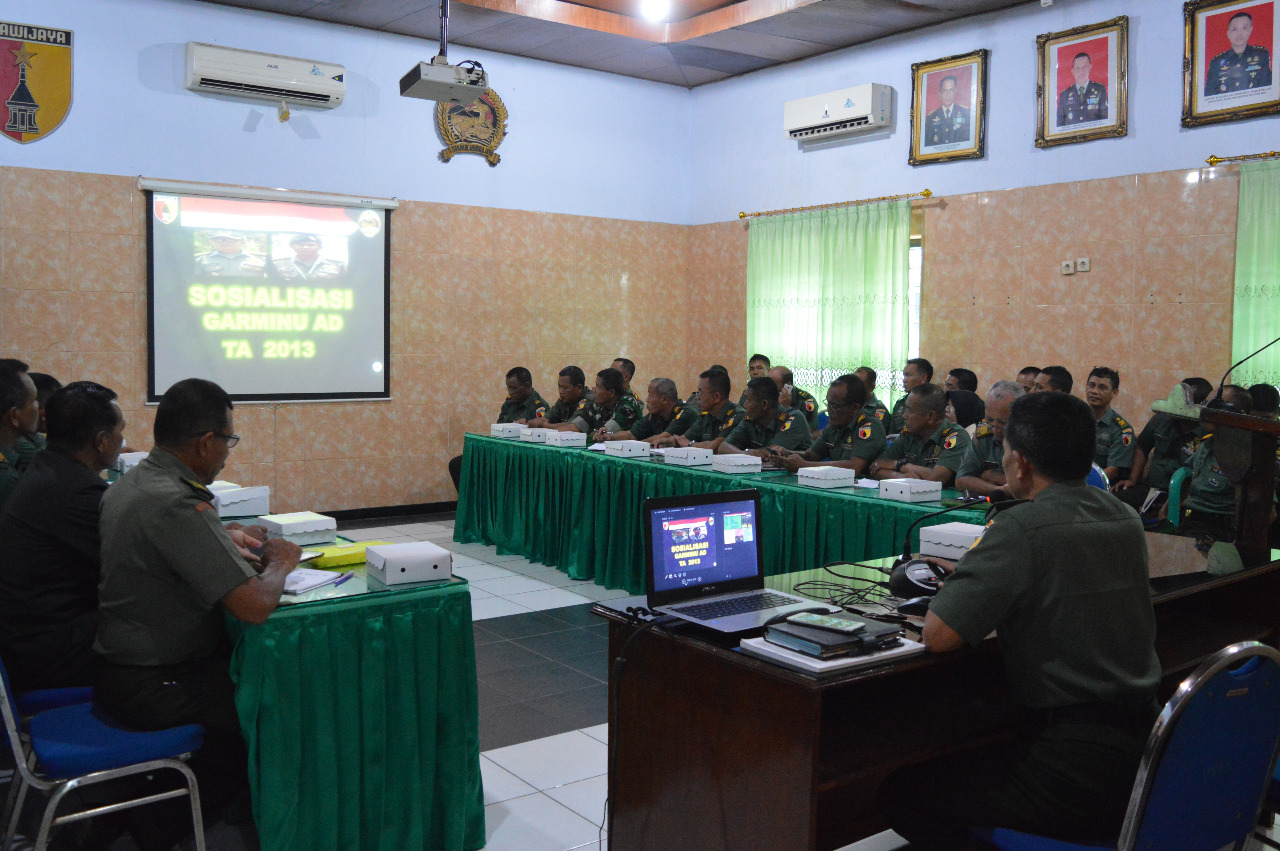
306	264
950	122
1085	99
229	257
1245	65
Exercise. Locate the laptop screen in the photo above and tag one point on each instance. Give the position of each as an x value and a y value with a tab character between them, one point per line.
701	540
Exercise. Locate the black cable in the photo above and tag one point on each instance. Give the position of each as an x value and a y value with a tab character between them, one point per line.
619	667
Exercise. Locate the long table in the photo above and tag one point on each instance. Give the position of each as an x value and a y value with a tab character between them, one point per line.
580	511
361	717
719	751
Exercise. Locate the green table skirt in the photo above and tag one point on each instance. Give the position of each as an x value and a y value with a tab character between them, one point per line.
362	722
581	511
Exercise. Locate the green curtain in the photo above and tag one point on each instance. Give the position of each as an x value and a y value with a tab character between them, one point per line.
1257	295
827	293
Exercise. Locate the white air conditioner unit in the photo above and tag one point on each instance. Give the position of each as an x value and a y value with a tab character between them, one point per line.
861	109
264	76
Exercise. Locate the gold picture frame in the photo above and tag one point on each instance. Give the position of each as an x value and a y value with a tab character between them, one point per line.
1082	84
1222	80
942	131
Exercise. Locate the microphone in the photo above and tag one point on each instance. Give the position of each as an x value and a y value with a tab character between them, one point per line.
1220	404
996	497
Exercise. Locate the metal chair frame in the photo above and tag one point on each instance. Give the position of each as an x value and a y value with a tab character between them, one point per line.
26	777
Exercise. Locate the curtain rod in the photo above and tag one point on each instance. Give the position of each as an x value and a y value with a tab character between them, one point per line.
925	194
1214	160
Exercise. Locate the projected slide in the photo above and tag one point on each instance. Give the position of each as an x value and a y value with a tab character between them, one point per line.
271	300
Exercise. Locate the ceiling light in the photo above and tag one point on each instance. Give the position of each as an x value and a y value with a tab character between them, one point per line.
655	10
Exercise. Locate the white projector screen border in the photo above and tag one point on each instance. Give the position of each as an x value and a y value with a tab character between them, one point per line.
190	293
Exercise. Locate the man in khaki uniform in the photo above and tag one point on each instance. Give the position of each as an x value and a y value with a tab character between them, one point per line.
929	446
982	469
170	574
852	438
718	415
764	425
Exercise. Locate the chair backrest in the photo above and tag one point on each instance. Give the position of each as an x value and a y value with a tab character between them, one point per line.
1209	759
9	735
1098	478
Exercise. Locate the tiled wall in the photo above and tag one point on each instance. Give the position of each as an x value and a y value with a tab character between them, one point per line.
1156	304
475	291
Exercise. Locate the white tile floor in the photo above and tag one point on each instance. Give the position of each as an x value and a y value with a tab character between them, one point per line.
546	794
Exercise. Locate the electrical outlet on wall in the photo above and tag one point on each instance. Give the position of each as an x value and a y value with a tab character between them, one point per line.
1068	267
1082	264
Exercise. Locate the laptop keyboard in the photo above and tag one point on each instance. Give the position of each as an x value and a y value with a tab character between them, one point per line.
734	605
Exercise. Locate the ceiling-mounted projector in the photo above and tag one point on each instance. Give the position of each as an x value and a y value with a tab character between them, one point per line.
438	80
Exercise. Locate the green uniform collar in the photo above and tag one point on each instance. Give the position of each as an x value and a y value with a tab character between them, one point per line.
170	463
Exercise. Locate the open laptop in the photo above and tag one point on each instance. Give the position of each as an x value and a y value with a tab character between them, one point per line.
702	555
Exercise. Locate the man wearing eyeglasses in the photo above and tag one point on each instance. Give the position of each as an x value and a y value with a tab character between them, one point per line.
169	570
982	469
853	436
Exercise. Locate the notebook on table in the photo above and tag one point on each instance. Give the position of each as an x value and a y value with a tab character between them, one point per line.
703	562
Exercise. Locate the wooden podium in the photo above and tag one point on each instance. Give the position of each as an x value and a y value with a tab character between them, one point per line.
1245	447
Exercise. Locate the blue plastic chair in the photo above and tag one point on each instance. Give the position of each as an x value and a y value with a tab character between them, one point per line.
1207	765
823	419
73	746
1098	478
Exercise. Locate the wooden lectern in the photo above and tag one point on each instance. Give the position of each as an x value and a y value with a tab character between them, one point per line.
1245	447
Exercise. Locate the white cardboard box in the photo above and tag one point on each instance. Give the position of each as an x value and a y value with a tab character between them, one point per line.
911	490
566	438
687	456
736	464
508	430
301	527
396	564
627	448
949	540
827	477
231	500
129	460
535	435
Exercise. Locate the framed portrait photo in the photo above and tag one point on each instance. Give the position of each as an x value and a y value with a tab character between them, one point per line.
1083	89
949	109
1226	62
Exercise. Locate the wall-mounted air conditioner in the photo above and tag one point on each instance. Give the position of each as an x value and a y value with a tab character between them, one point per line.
264	76
861	109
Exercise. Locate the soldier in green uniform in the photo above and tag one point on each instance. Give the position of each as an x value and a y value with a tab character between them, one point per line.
1057	378
764	425
665	413
790	396
1062	582
523	403
1164	445
1208	497
717	414
306	264
29	446
873	406
170	575
852	438
611	411
929	446
1084	100
981	471
628	370
229	259
1115	436
19	416
571	385
917	371
1243	66
757	367
1027	377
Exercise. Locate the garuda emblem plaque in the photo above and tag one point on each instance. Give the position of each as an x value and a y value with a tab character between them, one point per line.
477	128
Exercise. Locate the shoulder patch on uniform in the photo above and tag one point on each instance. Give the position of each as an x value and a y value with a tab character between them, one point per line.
982	430
1126	438
949	442
810	405
864	432
879	414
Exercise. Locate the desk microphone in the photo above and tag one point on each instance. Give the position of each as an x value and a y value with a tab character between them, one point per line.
1217	403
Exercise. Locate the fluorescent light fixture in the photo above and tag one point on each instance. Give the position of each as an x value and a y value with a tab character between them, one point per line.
655	10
